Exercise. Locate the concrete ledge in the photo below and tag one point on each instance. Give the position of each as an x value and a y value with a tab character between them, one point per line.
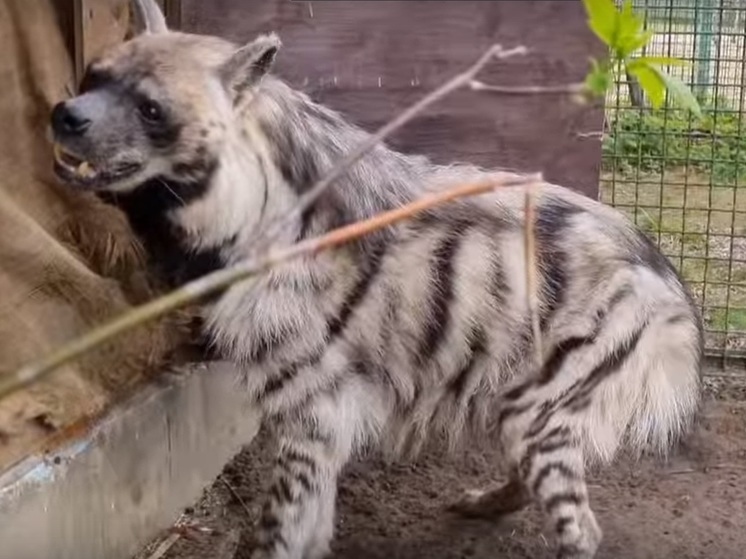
107	495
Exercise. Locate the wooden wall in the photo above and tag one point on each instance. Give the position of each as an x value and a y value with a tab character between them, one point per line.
371	59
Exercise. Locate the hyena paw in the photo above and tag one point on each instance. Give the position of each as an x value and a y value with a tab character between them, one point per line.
491	503
317	553
582	540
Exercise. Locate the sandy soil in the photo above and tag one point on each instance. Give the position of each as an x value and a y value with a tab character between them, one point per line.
692	506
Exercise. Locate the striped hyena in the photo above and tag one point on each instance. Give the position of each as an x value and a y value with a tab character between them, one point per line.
420	329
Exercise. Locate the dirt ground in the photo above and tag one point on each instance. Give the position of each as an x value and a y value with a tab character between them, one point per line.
692	506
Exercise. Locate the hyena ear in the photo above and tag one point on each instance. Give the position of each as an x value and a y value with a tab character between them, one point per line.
151	19
249	64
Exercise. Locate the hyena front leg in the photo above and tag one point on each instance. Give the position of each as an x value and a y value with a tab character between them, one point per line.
297	520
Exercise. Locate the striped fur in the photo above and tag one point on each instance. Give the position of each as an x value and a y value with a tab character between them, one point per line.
417	331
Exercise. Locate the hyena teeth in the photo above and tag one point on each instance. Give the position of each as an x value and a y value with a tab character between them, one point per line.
85	170
418	329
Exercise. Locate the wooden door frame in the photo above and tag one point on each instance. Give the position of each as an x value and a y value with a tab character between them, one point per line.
81	28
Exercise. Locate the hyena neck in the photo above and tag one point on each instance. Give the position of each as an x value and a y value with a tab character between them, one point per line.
304	140
149	209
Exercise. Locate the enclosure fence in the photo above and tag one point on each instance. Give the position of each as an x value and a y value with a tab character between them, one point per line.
683	178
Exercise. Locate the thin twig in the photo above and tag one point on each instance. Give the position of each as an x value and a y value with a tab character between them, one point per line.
236	496
706	469
307	200
564	89
599	134
164	546
532	296
222	279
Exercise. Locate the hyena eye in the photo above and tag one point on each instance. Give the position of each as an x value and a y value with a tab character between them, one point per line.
151	111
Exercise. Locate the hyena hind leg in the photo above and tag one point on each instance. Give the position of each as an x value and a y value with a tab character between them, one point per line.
549	471
554	474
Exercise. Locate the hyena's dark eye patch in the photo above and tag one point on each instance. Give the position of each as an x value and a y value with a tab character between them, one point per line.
95	78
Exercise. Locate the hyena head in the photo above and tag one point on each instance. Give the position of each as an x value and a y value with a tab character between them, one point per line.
155	106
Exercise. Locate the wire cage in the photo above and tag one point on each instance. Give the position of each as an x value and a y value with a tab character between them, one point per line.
683	178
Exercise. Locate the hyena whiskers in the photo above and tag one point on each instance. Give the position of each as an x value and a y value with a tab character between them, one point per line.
420	329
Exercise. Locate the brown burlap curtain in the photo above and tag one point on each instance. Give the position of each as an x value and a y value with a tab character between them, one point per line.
66	261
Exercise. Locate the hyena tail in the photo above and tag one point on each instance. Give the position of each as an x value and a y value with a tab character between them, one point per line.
634	382
643	390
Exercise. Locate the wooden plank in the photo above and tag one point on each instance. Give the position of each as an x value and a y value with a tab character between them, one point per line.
119	485
172	10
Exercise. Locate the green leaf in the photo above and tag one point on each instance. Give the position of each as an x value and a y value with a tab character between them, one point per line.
630	34
602	19
599	79
680	92
628	45
650	81
662	61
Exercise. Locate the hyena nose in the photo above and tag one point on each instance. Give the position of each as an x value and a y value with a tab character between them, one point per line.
67	122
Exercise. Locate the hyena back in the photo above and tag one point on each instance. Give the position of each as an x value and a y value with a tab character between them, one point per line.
420	329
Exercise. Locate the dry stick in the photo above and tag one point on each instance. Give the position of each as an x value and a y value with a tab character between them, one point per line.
532	296
164	546
307	200
236	496
222	279
571	88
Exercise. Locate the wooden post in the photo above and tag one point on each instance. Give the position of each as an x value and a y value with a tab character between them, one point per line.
93	16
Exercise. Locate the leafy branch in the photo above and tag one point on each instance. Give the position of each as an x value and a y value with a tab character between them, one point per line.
624	33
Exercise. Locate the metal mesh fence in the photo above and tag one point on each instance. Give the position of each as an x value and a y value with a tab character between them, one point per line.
683	178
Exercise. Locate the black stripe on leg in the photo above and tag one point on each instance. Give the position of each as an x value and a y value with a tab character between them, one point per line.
292	455
304	480
281	491
562	523
556	439
566	498
286	375
552	468
553	445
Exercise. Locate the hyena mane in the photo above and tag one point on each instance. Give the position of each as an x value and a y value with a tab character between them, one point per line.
420	329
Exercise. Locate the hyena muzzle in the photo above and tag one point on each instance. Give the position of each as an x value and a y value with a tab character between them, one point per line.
422	329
